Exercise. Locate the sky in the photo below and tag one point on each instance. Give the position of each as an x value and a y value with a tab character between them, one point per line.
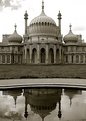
73	11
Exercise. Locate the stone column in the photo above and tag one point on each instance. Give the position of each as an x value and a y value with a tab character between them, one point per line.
25	56
20	59
47	54
79	59
54	53
0	59
38	54
74	59
30	53
83	59
16	58
5	59
59	54
10	59
69	58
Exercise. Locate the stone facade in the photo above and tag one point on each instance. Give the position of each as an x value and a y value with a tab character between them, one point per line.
42	43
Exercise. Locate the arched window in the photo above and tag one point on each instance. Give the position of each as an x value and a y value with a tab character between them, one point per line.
3	58
34	55
42	23
42	55
48	23
39	23
28	56
45	23
57	56
81	59
51	56
66	59
85	58
8	58
71	58
77	58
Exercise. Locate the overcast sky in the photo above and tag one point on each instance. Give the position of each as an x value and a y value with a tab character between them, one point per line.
73	11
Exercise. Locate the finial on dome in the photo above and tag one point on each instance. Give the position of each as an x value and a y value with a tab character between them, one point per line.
70	26
59	15
26	15
42	5
15	27
26	11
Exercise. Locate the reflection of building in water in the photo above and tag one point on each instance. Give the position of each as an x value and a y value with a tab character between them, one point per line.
71	93
14	93
42	101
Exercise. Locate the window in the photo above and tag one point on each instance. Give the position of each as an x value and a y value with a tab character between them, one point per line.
77	58
3	58
8	58
81	58
66	59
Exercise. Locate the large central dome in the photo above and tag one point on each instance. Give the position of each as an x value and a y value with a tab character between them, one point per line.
42	18
43	25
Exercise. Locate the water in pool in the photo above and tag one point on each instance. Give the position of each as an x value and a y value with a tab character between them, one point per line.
43	104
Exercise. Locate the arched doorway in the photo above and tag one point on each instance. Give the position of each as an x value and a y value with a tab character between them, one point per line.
34	56
77	58
28	56
42	55
72	58
57	56
51	56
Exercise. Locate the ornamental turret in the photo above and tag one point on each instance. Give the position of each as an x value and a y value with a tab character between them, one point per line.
15	38
59	21
70	37
26	18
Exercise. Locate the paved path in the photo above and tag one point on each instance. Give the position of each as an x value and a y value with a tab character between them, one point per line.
44	82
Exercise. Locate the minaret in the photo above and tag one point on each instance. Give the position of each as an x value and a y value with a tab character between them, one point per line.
59	21
26	18
26	112
42	6
59	112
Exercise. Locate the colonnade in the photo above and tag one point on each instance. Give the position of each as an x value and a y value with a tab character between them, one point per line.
10	59
42	54
75	59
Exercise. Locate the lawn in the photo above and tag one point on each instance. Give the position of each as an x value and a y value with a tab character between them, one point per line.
42	71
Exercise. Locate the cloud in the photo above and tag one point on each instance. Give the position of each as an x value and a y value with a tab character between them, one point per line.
13	4
80	28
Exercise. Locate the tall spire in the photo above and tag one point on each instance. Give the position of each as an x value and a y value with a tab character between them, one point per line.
42	5
70	26
15	27
59	21
26	18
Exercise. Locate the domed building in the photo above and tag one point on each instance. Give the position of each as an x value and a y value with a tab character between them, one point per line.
43	101
41	38
42	43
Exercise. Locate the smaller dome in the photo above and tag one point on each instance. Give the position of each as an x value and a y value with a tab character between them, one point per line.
15	37
70	37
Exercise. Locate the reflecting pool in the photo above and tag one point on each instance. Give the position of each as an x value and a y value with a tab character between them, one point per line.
43	104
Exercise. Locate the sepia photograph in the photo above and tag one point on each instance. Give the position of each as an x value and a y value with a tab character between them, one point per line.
42	60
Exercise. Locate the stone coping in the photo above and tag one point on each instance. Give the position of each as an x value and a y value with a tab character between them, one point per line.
43	82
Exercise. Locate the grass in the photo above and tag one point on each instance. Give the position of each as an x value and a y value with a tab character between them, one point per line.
42	71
